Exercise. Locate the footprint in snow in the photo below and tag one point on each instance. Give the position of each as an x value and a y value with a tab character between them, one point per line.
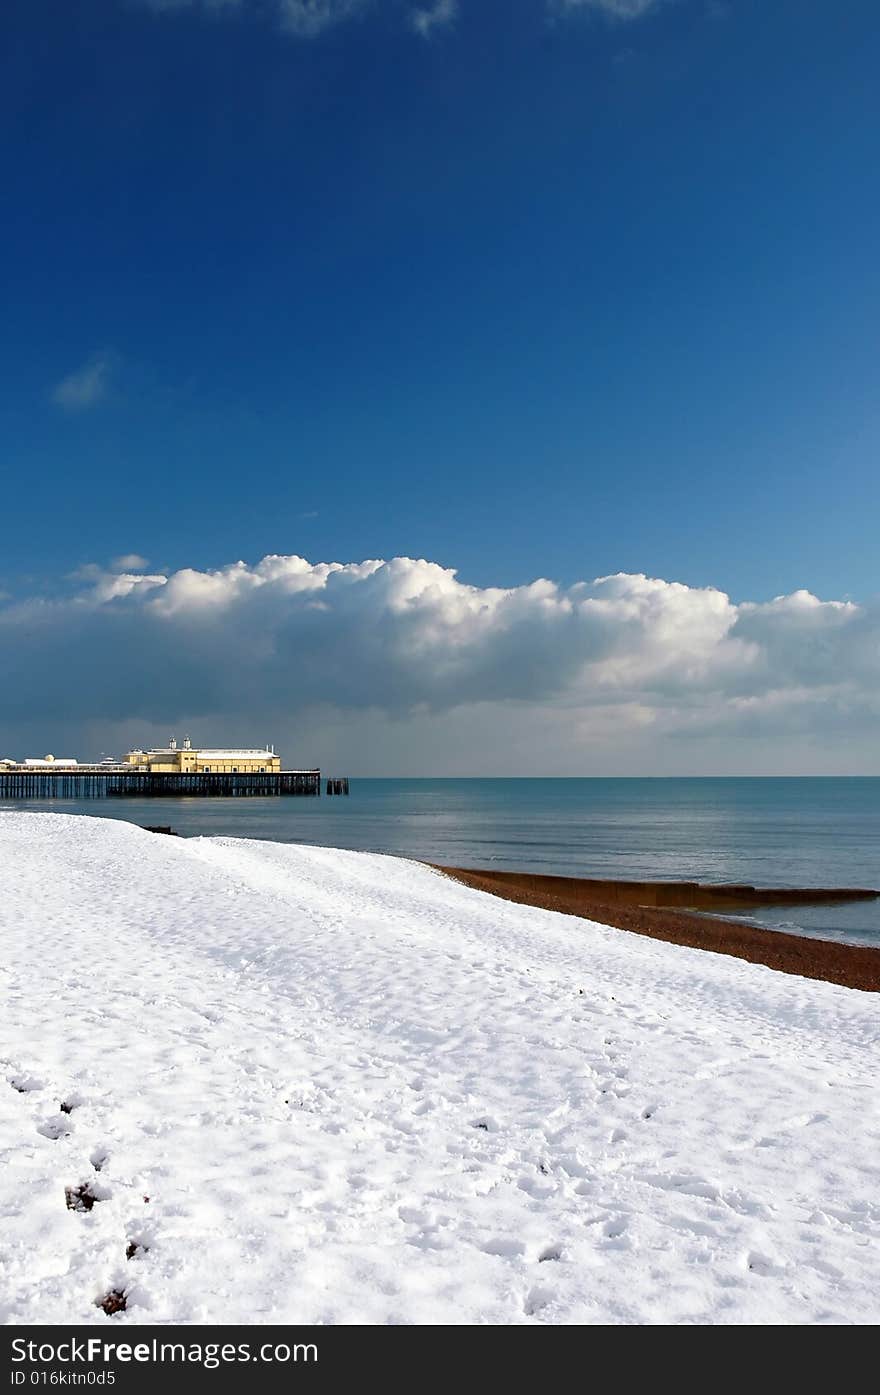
84	1197
113	1302
537	1299
615	1229
487	1123
761	1264
26	1084
505	1248
54	1128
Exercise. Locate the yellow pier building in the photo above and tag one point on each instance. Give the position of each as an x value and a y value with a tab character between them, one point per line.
189	760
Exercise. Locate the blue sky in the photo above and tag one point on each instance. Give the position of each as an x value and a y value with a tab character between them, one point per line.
542	288
547	293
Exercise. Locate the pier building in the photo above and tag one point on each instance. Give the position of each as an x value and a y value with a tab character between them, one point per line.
205	760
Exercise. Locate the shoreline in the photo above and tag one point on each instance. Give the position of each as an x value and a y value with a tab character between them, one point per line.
669	918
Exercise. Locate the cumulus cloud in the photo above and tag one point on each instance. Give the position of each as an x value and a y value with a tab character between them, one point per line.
87	385
602	661
440	15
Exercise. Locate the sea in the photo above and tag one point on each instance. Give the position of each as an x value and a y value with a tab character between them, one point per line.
764	831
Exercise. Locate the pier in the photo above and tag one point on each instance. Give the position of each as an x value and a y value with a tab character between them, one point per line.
140	784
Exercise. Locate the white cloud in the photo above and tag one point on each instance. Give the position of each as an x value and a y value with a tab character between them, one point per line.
110	587
130	562
440	15
597	666
616	9
306	18
302	18
86	386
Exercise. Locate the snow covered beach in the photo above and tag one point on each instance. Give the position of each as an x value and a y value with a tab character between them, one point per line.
305	1085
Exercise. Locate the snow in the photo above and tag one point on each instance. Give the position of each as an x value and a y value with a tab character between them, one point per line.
320	1086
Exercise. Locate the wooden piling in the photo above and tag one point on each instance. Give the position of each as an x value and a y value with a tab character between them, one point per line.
142	784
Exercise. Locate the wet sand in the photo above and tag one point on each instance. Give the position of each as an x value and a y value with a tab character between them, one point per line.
665	911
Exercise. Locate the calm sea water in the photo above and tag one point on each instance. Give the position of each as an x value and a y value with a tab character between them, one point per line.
770	832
